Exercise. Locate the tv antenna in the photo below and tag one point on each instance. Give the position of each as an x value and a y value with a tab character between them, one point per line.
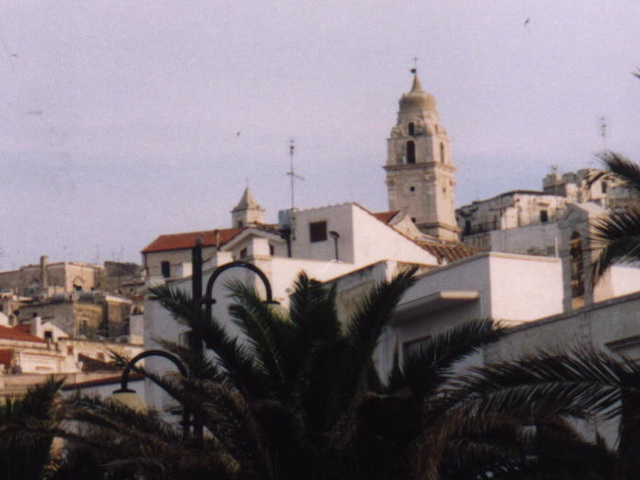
602	128
292	174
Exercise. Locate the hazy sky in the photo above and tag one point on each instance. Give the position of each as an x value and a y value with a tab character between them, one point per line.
119	119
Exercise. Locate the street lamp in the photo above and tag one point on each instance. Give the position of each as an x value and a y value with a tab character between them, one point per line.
129	398
208	300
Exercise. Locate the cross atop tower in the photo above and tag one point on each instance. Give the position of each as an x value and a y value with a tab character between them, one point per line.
415	65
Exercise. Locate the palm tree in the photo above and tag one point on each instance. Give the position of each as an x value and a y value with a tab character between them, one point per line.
543	388
617	236
27	430
296	395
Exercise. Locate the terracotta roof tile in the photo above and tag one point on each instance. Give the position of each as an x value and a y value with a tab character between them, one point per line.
25	328
6	357
7	333
386	217
448	251
179	241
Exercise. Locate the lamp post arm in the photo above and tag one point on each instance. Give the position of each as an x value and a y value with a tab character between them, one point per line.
248	266
150	353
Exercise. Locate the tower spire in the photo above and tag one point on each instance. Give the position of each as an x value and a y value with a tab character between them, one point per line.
420	172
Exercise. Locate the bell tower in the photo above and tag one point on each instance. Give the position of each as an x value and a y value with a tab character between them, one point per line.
420	173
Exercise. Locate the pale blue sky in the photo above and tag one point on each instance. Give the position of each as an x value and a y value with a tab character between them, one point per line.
119	119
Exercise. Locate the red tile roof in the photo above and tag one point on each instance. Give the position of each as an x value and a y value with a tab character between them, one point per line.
7	333
180	241
6	357
25	328
448	251
386	217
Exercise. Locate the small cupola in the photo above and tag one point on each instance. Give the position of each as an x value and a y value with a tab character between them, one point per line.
417	98
247	212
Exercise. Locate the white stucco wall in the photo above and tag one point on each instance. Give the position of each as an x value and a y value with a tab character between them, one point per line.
619	280
524	288
363	238
374	241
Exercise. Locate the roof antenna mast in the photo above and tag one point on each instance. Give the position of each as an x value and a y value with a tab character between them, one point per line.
292	174
603	131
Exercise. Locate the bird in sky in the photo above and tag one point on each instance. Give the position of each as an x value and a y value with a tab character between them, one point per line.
526	22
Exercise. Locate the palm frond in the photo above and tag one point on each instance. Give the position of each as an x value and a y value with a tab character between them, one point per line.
425	370
616	237
232	355
269	334
313	311
618	168
352	358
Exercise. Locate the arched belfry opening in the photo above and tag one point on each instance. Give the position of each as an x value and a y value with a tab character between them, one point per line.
411	152
411	129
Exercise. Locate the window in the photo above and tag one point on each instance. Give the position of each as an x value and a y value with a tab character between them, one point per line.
165	267
77	288
69	350
272	250
544	216
467	227
83	327
412	129
240	224
442	152
603	186
318	231
243	253
48	335
411	152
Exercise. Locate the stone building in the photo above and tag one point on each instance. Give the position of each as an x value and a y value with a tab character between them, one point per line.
420	172
524	221
47	279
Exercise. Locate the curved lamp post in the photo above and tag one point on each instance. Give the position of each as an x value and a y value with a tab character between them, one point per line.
129	398
209	301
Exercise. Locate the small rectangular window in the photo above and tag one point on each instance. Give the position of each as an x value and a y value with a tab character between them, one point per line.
544	216
166	269
48	335
318	231
243	253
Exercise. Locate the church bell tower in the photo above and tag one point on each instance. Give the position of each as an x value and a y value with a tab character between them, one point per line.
420	173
